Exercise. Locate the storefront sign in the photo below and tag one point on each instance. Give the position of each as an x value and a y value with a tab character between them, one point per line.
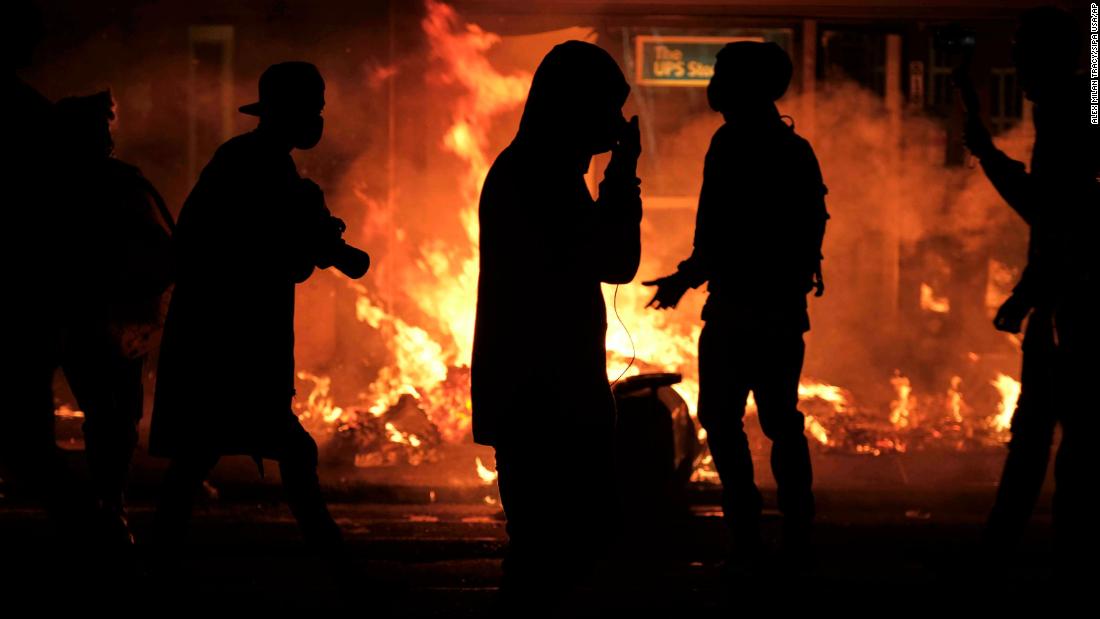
678	60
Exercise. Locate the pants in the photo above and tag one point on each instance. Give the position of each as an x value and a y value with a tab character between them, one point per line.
735	359
1033	424
296	453
1076	467
1059	369
108	388
558	497
28	451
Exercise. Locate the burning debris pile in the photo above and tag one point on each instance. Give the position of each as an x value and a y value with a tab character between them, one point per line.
928	422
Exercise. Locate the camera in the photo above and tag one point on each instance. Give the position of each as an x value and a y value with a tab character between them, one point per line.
325	235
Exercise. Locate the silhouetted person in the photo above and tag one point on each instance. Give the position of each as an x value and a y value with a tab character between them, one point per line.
758	236
249	231
36	289
540	390
1059	199
116	243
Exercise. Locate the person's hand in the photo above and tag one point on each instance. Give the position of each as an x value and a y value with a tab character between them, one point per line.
670	289
816	284
630	140
1010	316
625	153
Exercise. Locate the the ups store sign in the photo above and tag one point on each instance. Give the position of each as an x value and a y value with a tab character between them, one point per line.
676	60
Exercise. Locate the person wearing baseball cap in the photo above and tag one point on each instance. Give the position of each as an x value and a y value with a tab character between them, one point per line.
758	237
292	96
250	230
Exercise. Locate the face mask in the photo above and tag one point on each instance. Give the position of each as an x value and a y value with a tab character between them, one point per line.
310	132
713	98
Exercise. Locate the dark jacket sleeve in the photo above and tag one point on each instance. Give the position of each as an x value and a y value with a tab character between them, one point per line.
811	196
616	248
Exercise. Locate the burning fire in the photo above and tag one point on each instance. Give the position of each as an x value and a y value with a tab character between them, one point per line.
1009	389
932	303
419	398
901	408
955	399
484	473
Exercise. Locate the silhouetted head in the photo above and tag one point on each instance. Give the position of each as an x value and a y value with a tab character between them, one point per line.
1045	50
84	125
23	32
576	100
748	75
292	97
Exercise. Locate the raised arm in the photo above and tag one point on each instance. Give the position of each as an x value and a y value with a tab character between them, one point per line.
1008	176
617	246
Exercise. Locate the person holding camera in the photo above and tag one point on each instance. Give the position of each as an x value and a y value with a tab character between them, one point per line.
249	231
758	235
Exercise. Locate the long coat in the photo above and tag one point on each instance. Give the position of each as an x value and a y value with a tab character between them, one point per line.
226	374
539	360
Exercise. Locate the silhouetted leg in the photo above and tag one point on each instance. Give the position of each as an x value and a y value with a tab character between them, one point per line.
724	362
1076	468
182	481
557	496
298	468
776	390
108	388
33	464
524	486
1028	456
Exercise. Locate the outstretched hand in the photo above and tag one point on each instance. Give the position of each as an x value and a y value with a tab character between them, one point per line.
1010	317
670	289
817	284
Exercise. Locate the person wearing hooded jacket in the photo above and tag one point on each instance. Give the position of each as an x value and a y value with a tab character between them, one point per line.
540	390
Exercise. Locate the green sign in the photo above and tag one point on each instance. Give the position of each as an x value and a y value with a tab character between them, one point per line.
679	60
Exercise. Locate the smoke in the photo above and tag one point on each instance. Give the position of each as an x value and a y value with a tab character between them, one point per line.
900	217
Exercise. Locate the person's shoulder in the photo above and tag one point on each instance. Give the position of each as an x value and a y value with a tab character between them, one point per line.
723	135
120	169
723	144
505	170
800	147
125	177
240	147
242	157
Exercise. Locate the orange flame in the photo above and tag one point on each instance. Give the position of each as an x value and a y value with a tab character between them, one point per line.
487	475
930	302
901	408
1010	393
955	399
